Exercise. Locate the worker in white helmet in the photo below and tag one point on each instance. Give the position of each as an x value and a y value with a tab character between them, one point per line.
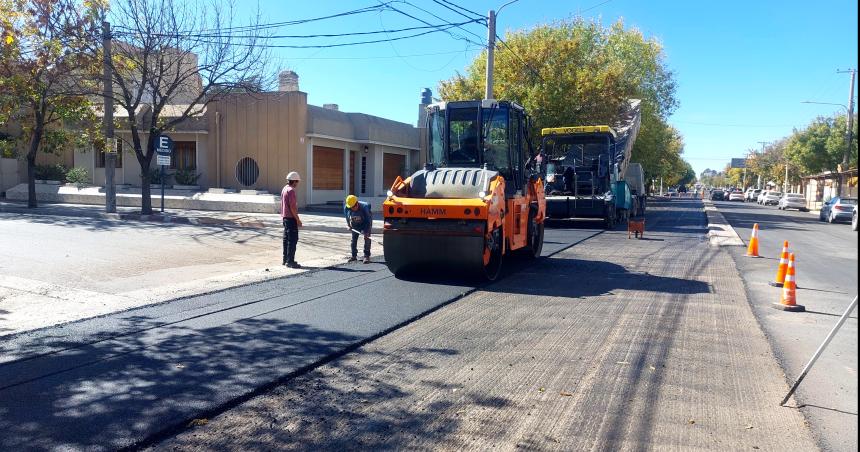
290	217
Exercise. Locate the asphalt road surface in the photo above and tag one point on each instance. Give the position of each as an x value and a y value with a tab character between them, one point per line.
826	258
113	380
608	343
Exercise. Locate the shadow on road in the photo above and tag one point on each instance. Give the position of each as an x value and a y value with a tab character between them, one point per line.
576	278
110	393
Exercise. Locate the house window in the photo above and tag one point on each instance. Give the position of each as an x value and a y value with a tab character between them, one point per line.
184	155
100	156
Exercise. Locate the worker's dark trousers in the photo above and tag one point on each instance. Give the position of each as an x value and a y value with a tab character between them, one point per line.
291	239
354	245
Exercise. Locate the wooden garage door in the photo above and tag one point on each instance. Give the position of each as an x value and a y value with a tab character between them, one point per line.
393	165
328	168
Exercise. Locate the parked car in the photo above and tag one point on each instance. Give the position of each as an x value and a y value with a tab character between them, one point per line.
672	192
838	209
771	198
718	195
736	195
761	196
792	201
854	219
752	194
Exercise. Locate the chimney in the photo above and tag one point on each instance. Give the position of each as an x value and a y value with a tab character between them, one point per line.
330	107
426	99
288	81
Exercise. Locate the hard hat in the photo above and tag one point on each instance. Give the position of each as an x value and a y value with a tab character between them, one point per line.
293	176
351	200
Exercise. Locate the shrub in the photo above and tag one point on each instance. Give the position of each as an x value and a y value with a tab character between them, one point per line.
51	172
186	177
7	148
78	176
155	176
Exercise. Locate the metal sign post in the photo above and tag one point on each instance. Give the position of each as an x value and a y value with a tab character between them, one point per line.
164	149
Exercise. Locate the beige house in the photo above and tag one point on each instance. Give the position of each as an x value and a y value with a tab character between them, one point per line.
248	141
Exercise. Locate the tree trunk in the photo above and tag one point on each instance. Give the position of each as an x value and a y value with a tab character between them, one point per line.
145	192
31	182
31	163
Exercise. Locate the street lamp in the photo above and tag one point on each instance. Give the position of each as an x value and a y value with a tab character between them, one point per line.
848	135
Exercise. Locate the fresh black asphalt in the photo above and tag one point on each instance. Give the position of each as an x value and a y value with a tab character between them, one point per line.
114	381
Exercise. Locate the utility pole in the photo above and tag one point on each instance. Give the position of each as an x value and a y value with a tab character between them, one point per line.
849	134
110	143
491	45
762	143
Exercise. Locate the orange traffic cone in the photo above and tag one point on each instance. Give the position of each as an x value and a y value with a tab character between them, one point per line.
783	266
752	250
788	300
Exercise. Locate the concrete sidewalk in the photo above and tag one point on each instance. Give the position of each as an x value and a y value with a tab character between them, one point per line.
89	263
317	220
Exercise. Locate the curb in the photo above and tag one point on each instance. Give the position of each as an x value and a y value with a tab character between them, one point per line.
720	232
248	222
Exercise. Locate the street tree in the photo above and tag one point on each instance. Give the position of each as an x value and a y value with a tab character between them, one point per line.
45	69
171	59
821	145
578	72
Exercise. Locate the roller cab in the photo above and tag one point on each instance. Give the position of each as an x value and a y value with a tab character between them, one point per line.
474	202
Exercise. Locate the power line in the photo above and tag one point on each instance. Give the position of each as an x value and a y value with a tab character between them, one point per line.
428	23
440	3
326	46
462	8
509	49
481	19
595	6
366	9
331	35
383	57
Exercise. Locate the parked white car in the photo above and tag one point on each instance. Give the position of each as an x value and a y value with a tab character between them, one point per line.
854	219
736	195
771	198
761	196
792	201
752	194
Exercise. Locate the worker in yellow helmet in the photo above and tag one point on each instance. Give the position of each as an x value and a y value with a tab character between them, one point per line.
359	221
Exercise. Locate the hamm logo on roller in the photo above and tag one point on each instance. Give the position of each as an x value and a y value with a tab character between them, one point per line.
431	211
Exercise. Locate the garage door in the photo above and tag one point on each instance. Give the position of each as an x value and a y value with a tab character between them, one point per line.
393	165
328	168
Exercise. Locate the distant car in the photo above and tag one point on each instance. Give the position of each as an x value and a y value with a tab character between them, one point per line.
771	198
761	196
752	194
672	192
736	195
838	209
718	195
792	201
854	219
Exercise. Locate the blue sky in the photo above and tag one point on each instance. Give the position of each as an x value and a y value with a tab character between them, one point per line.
742	67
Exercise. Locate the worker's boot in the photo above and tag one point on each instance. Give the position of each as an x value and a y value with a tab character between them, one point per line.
352	259
366	259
